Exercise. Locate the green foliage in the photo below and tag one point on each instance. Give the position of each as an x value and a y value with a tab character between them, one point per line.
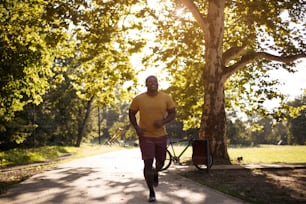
19	130
100	65
26	53
187	83
59	117
101	55
32	36
59	55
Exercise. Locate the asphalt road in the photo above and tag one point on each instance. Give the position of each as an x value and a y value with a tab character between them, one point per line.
114	177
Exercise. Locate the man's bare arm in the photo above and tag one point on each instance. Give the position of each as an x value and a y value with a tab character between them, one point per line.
132	117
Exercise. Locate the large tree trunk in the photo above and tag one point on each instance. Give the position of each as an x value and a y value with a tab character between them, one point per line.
84	124
213	121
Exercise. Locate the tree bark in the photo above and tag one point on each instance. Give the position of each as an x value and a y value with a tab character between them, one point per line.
84	124
213	121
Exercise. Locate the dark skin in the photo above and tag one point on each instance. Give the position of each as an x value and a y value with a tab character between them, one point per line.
152	90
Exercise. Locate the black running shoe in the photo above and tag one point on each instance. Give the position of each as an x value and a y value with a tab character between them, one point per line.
152	199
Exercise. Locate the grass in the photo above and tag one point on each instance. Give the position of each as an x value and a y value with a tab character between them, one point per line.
269	154
261	154
27	156
33	155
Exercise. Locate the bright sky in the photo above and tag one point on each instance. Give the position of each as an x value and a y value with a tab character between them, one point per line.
159	72
294	83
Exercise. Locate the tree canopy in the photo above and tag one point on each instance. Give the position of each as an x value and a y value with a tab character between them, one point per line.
44	43
220	49
26	54
258	36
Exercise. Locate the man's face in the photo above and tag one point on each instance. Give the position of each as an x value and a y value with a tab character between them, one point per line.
152	84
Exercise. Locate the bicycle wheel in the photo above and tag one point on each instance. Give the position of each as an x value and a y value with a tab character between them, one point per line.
204	166
167	161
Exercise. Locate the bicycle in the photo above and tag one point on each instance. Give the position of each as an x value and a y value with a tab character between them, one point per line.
204	164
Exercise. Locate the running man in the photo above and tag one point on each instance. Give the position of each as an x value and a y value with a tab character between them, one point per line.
155	110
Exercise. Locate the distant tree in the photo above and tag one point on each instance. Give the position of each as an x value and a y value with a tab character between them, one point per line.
59	116
237	133
281	132
264	134
297	124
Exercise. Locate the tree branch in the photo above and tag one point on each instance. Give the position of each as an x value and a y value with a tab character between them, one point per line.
232	53
251	56
196	13
284	59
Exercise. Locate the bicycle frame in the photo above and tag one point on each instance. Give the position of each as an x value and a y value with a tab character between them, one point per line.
177	158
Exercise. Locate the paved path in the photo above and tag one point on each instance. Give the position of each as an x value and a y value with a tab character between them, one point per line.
109	178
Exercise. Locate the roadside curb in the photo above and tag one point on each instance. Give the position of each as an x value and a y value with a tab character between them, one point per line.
181	169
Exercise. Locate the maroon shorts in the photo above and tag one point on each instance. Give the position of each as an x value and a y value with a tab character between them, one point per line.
153	147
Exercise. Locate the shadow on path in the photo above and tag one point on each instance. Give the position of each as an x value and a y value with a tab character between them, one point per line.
109	178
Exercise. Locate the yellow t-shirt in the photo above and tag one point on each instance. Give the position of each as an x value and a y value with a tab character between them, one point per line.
152	108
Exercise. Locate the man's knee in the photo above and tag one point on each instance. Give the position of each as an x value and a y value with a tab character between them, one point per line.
159	164
148	163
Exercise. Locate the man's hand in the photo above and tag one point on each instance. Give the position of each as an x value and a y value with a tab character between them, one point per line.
139	131
171	115
159	123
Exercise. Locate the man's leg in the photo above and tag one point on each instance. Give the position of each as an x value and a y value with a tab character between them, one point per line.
158	166
149	177
160	157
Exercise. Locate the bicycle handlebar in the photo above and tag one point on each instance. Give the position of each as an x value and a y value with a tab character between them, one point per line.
182	140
